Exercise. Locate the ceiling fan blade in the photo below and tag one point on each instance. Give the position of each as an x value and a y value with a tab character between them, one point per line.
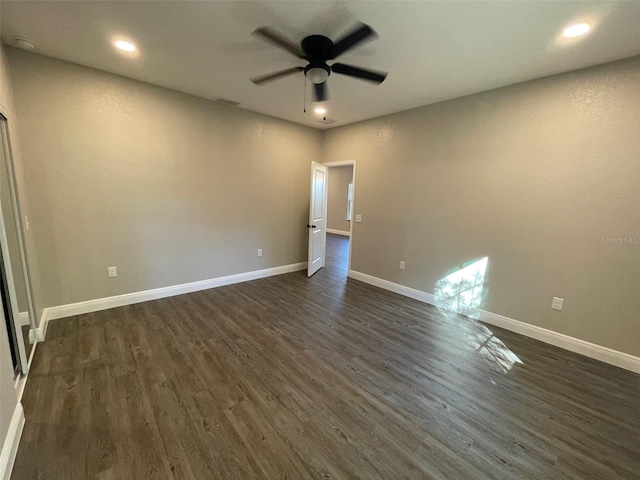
275	75
358	34
320	91
279	40
377	77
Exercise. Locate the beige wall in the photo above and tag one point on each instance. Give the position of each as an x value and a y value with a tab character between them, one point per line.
168	187
532	176
8	397
339	178
172	189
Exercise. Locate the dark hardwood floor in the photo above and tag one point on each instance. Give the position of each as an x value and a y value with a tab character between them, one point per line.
323	378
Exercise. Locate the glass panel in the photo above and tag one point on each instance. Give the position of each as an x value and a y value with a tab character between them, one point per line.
15	283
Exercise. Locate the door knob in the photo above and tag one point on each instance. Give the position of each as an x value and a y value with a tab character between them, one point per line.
311	226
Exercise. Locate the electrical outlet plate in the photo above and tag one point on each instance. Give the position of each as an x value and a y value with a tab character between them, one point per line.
401	264
112	272
556	303
358	218
259	252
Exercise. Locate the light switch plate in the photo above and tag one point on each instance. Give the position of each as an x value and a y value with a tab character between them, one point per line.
358	218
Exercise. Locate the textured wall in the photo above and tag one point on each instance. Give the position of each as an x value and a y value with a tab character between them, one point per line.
168	187
339	178
533	176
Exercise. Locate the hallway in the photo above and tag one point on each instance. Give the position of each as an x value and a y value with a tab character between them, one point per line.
337	254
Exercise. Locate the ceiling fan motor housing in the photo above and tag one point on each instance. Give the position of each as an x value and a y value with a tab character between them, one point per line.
317	48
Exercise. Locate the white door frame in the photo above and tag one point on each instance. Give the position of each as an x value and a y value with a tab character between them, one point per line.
345	163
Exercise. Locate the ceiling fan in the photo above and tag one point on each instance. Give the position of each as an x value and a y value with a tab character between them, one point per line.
317	50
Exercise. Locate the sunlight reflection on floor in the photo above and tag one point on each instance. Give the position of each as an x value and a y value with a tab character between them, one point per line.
491	348
463	292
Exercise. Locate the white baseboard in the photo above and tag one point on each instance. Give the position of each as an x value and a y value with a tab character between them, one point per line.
582	347
338	232
62	311
588	349
394	287
41	329
11	442
41	332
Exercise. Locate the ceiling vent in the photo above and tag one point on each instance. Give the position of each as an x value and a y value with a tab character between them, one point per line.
226	101
23	43
326	120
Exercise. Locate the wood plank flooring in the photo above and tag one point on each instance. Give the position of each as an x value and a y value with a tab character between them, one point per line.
321	378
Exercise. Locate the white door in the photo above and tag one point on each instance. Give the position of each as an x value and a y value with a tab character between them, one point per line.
317	213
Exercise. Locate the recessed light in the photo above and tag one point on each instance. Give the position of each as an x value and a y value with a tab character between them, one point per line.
576	30
125	46
320	110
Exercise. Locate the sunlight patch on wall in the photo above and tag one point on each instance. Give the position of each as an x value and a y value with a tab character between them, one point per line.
462	291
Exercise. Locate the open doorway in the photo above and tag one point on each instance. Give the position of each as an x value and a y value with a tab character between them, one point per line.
323	235
339	216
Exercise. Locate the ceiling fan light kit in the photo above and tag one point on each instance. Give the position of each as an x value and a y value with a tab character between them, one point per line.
317	50
317	73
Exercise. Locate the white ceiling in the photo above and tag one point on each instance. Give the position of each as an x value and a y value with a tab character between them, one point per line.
433	51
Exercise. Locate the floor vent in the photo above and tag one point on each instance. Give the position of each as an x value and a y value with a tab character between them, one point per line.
226	101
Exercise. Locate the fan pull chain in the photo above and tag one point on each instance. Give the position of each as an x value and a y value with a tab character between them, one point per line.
304	110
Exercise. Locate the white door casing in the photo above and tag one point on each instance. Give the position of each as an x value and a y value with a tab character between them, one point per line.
317	218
